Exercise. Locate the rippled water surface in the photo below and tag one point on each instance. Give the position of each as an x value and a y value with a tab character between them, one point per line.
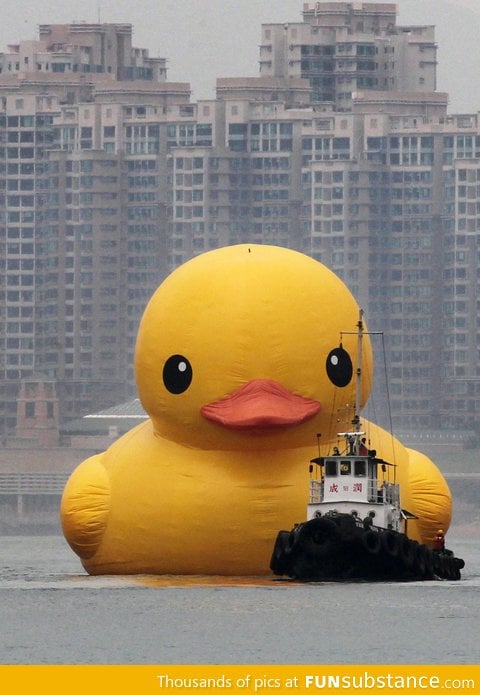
52	612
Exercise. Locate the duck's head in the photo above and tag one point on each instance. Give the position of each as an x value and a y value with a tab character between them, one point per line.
241	348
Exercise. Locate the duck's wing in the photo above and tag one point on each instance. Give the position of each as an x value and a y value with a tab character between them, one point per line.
85	506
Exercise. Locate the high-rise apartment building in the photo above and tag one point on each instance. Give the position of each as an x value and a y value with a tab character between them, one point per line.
340	148
342	47
83	196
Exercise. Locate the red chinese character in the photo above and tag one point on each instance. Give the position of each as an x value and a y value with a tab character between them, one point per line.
334	488
357	487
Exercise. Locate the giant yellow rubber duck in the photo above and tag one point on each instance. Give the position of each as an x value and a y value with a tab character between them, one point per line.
239	366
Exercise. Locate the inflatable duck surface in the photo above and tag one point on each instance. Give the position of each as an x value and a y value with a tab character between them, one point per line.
239	366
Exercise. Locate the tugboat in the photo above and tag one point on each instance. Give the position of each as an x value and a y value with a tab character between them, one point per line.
356	528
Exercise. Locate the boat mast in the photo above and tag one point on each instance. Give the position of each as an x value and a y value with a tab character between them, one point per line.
358	381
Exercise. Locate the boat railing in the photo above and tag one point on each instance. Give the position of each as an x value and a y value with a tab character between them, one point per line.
385	493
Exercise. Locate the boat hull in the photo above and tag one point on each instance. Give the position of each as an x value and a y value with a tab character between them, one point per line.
338	548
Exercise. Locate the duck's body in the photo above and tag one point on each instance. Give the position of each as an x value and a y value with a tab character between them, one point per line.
232	362
189	511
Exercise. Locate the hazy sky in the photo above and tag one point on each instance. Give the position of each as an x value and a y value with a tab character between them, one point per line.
222	36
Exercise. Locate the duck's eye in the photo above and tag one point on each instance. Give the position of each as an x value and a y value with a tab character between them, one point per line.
177	374
339	367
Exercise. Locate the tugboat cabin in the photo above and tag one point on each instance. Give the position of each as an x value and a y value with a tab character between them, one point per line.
348	483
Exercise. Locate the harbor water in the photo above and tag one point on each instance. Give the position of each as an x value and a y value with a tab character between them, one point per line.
51	612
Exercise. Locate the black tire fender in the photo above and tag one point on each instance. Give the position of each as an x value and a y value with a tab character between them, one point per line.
371	542
420	559
319	537
281	552
429	561
320	531
391	543
437	563
408	552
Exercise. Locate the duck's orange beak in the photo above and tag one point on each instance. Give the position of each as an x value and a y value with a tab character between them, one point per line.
260	404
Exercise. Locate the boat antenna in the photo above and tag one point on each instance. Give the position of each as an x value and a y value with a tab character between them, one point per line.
354	436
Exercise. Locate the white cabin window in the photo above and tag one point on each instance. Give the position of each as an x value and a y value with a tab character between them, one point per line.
330	468
360	468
